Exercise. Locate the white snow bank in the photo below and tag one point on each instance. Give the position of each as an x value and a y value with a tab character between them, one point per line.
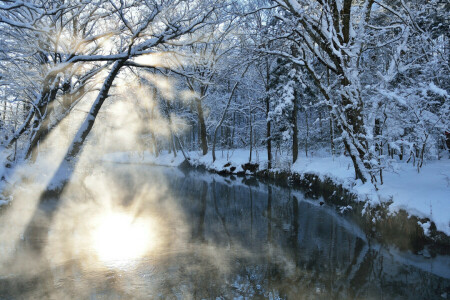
164	159
235	158
425	194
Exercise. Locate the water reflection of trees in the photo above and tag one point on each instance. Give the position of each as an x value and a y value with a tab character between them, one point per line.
238	240
279	246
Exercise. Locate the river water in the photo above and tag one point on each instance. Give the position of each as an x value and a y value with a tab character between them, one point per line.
197	235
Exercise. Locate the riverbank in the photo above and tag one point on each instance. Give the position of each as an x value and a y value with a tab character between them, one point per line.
423	195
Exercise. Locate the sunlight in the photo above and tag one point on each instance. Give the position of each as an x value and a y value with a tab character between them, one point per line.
119	239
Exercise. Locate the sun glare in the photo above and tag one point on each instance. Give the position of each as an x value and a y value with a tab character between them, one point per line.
119	239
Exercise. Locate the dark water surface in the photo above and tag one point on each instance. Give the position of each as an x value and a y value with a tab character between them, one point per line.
212	237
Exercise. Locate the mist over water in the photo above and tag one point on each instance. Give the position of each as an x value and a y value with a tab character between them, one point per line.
144	232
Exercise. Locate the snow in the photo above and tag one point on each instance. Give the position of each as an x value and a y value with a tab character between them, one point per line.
164	159
4	201
425	226
437	90
236	158
424	194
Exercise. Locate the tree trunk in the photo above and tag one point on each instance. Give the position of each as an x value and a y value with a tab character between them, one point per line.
332	135
172	144
251	135
193	136
295	53
377	133
40	104
201	123
155	144
4	111
307	132
268	137
66	167
295	128
358	171
41	128
234	130
355	131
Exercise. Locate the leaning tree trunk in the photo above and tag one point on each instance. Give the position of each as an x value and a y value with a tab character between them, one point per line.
66	167
47	126
38	105
355	140
351	146
351	98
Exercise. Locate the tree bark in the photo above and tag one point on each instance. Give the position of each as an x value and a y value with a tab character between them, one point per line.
268	137
307	132
295	128
251	133
201	123
331	135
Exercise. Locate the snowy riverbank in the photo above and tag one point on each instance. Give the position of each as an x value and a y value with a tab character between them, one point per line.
425	194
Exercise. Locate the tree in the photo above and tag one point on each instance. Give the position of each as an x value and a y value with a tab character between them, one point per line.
60	55
284	94
146	33
329	35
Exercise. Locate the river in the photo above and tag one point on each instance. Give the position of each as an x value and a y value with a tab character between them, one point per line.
189	234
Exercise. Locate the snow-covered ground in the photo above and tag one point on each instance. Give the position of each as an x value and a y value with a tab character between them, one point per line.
164	159
425	194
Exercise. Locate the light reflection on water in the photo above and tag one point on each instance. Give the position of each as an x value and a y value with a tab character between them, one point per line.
119	239
146	232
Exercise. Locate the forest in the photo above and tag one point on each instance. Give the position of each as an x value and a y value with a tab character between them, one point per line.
364	78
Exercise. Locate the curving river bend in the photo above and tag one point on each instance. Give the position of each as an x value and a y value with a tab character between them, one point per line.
204	236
